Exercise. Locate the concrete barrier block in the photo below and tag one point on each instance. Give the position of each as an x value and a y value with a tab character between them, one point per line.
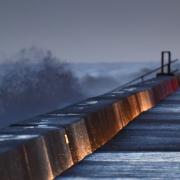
102	126
146	100
78	140
156	93
31	154
134	105
58	151
75	127
48	152
76	131
37	159
13	164
175	83
100	121
112	122
124	111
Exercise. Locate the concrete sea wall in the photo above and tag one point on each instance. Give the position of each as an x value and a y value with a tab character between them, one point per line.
45	146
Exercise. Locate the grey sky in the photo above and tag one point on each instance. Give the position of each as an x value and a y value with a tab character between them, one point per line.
92	30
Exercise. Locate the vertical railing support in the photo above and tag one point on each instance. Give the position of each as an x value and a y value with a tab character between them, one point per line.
164	64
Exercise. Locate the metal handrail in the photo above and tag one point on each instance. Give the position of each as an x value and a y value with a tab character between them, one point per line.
141	77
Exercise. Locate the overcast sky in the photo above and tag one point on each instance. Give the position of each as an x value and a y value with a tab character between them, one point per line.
92	30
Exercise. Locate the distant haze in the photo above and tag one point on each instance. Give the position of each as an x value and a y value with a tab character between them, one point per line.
92	30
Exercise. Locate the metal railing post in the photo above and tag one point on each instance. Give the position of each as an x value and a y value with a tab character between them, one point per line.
163	64
169	62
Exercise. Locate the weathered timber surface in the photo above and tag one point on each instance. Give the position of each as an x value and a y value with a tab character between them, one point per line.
148	148
45	146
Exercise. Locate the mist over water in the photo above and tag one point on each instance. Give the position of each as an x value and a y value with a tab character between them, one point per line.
34	82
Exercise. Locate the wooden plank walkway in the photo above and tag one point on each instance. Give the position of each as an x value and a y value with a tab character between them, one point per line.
148	148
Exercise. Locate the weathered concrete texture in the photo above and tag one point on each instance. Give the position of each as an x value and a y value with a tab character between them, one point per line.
39	154
32	157
102	126
74	125
145	99
47	145
148	148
